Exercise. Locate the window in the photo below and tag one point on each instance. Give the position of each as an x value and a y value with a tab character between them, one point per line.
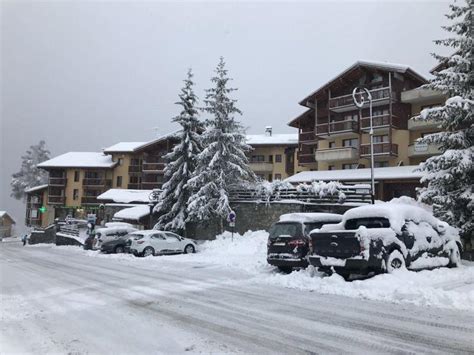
278	158
76	175
75	194
119	181
353	142
381	139
277	176
374	222
172	237
381	164
270	158
135	162
332	144
257	159
120	161
158	236
377	77
380	112
350	166
331	167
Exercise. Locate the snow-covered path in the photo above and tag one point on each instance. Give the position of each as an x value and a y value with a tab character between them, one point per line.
63	300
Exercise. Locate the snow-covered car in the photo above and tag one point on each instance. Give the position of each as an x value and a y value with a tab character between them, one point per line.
382	238
106	234
116	245
154	242
288	241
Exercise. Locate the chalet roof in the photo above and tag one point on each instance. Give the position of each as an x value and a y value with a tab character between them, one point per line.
36	188
274	139
125	195
123	147
4	214
160	139
300	116
392	67
389	173
79	160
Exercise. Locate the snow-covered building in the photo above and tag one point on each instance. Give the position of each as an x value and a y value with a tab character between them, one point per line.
6	224
37	214
274	155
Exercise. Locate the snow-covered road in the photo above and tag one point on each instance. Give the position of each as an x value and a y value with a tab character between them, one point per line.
69	301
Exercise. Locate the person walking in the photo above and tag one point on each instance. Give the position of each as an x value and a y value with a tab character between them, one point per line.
24	239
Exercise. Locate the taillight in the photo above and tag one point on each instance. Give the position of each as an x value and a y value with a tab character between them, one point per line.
140	242
297	243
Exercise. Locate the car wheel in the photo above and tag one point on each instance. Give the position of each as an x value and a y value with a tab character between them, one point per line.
455	257
395	261
189	249
148	251
119	249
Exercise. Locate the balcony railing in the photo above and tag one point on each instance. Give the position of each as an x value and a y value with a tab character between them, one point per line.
135	186
306	158
135	169
89	200
153	166
57	181
261	166
379	122
346	100
96	182
423	149
379	149
55	199
309	136
337	127
337	154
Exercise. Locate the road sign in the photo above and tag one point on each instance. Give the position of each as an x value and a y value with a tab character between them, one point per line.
231	224
91	218
231	217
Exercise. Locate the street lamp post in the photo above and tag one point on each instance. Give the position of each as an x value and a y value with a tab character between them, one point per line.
360	92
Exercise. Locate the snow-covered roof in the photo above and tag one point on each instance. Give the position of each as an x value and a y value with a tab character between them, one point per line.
395	67
125	195
79	160
274	139
393	172
133	213
36	188
164	137
5	214
310	217
123	147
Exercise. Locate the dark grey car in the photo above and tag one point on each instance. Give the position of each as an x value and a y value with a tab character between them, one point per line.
116	245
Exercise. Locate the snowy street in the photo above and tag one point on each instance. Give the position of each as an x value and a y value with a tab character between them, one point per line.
65	299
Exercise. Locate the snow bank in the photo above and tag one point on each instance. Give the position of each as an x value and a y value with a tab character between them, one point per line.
310	217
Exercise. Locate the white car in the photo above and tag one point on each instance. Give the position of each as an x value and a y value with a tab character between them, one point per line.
154	242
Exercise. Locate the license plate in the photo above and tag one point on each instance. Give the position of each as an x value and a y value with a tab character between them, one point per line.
279	244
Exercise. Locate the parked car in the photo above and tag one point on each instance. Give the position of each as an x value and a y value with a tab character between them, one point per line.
117	245
385	237
154	242
288	242
106	234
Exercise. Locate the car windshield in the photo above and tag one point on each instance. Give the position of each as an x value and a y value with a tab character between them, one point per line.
293	229
137	236
308	227
372	222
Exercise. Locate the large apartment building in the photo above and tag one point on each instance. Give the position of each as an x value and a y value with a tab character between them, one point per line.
334	132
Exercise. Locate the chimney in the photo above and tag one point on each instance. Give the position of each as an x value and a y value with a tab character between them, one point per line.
268	131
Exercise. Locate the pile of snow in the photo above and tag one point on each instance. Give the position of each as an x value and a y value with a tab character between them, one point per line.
310	217
126	195
133	213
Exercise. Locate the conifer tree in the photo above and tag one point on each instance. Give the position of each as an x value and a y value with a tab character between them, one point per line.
222	162
181	162
30	175
449	177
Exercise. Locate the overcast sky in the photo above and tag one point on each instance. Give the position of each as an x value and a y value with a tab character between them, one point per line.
84	75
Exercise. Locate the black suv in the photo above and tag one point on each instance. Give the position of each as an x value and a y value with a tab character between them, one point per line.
383	238
288	242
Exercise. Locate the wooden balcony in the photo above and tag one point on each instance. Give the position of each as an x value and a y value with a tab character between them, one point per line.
154	167
380	149
306	158
346	103
308	137
97	182
135	169
379	122
57	181
150	185
56	200
89	200
337	128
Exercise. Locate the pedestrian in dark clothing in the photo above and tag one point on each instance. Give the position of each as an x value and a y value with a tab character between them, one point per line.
24	239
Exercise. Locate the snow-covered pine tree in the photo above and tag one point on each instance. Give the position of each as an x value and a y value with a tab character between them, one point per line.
449	177
181	162
222	162
30	175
